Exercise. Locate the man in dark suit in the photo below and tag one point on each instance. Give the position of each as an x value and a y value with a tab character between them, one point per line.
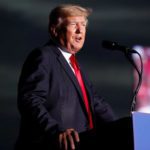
56	101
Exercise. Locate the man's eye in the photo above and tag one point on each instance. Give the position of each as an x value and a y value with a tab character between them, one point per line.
72	23
84	24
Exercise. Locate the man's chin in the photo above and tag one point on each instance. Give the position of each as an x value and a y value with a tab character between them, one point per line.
77	49
74	49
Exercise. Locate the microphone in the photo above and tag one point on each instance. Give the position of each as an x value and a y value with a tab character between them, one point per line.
115	46
128	53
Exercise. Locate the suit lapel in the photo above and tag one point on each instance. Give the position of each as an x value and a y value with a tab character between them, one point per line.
74	80
71	75
67	69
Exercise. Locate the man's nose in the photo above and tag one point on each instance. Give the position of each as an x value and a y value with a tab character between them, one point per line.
79	28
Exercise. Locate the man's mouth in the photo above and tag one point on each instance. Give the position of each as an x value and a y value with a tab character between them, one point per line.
78	39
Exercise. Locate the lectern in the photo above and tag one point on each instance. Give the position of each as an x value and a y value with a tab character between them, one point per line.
128	133
117	135
141	130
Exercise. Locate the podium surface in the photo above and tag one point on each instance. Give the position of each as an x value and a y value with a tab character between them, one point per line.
141	130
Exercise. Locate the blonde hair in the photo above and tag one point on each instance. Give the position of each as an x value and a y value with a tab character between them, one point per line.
59	13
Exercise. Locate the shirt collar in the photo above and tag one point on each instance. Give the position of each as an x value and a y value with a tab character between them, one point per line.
65	54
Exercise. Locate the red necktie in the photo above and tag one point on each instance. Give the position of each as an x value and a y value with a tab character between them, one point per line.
82	86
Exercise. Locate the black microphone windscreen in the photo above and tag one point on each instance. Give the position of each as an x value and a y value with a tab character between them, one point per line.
109	44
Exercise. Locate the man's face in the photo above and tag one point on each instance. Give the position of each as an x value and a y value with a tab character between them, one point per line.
72	36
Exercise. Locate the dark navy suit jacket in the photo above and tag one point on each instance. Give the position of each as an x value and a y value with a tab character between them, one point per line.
50	99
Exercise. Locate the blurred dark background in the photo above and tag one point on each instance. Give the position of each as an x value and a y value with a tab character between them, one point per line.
23	26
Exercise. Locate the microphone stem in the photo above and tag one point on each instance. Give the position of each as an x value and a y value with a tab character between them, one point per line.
140	73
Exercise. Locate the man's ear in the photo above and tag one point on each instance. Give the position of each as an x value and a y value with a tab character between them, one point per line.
53	31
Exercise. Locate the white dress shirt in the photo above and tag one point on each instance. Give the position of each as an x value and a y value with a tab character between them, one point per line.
67	57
